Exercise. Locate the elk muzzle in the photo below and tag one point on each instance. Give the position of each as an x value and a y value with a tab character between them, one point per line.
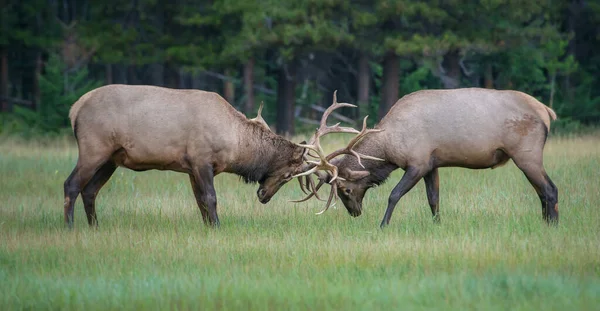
353	206
263	196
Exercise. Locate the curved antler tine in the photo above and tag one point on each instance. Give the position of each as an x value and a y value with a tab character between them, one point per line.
302	185
332	196
307	182
310	195
312	170
364	156
334	174
311	147
315	190
312	155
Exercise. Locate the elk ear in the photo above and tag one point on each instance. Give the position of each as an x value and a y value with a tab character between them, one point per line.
355	175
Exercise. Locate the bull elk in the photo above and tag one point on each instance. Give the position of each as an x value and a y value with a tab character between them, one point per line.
472	128
189	131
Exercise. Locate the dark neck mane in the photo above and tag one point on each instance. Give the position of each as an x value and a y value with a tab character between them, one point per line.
379	170
263	151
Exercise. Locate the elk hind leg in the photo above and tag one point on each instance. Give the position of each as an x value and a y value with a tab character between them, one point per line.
548	193
71	188
432	187
90	191
73	185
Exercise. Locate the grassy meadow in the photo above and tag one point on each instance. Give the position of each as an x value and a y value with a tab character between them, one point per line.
492	251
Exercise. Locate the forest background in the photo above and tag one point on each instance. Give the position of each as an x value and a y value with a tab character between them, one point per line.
292	55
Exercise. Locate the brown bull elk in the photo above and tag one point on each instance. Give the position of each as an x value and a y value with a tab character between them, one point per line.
471	128
188	131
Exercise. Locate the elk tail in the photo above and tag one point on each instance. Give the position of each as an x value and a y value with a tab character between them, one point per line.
551	113
74	111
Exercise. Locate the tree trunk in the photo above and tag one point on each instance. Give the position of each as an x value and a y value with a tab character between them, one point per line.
108	73
120	76
286	99
229	89
574	10
157	75
4	104
132	75
198	81
488	77
364	83
552	88
249	86
183	79
451	63
36	81
172	77
391	79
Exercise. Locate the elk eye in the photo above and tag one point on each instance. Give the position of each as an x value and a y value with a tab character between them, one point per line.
347	191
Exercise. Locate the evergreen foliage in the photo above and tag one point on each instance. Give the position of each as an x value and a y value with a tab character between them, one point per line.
549	49
59	89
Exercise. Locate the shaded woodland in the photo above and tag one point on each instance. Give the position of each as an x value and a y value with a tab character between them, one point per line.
292	55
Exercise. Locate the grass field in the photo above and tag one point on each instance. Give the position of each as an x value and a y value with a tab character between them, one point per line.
152	251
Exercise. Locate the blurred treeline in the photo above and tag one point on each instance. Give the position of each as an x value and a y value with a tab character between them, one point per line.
292	55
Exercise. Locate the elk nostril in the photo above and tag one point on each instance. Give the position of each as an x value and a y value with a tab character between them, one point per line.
261	193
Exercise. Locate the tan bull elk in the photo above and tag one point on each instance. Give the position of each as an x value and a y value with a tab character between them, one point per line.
188	131
471	128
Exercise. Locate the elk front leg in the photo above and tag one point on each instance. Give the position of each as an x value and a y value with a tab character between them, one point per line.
432	187
206	197
408	181
198	195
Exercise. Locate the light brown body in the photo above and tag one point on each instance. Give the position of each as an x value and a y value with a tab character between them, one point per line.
188	131
472	128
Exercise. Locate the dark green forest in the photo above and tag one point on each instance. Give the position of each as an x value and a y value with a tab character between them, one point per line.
292	55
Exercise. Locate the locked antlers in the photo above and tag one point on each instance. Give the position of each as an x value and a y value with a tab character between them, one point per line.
323	161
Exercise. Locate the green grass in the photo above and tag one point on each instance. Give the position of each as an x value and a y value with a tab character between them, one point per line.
152	251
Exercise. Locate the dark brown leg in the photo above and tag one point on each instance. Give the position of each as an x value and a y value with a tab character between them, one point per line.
408	181
71	187
206	196
90	191
82	173
432	186
548	194
198	196
545	188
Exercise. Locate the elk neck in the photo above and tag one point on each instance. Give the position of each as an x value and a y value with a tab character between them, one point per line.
379	170
260	152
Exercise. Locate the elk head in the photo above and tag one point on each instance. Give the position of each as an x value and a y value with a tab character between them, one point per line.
288	161
326	166
275	166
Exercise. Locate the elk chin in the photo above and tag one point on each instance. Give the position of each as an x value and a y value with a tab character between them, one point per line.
263	196
355	212
354	208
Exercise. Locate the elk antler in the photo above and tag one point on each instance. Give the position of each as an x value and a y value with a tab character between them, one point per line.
259	117
323	160
348	149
